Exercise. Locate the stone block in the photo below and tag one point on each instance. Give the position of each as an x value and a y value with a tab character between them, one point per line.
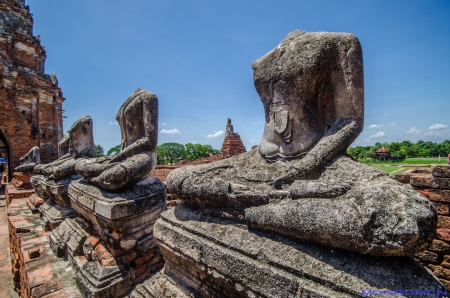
446	262
208	255
95	280
442	171
129	215
443	234
426	181
53	215
428	256
439	246
442	208
443	222
436	195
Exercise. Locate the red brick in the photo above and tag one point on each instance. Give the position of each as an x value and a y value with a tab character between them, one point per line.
443	234
94	241
139	271
140	261
104	257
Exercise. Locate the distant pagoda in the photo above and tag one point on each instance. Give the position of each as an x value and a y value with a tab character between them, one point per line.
232	144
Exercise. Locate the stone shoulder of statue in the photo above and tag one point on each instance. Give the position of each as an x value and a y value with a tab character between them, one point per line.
299	181
138	121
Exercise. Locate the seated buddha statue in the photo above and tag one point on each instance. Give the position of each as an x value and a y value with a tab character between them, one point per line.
137	119
81	145
29	160
299	181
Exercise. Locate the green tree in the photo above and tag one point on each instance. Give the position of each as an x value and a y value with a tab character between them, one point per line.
196	151
113	150
100	151
169	153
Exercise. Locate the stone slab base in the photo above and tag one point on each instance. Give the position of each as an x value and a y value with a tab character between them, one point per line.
123	219
207	256
53	215
37	271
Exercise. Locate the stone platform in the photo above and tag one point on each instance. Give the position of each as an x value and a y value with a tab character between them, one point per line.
57	207
206	256
37	271
12	193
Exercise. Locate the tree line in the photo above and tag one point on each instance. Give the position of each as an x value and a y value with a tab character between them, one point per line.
170	153
403	149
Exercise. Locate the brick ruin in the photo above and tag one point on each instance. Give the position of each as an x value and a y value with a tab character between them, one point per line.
232	144
435	186
30	100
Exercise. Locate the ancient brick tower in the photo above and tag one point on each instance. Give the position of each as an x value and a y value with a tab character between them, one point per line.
232	144
30	100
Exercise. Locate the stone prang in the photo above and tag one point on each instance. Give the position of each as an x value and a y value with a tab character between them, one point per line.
295	216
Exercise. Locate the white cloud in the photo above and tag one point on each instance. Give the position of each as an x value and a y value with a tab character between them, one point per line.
375	125
216	134
194	142
164	123
413	131
379	134
392	124
113	123
385	114
170	131
251	141
437	127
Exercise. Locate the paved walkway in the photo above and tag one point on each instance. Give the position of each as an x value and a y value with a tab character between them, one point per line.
6	281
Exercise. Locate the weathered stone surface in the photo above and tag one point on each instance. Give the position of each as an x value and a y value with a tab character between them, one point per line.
130	213
138	120
308	84
30	100
29	160
439	246
207	256
367	214
428	256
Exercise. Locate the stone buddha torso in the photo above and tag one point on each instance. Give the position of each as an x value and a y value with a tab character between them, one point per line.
299	181
29	160
137	118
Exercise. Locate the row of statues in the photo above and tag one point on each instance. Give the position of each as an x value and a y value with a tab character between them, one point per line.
298	182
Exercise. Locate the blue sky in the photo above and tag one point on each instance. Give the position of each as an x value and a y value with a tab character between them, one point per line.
196	57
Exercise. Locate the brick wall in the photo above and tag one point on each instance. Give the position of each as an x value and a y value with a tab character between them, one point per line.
30	100
435	186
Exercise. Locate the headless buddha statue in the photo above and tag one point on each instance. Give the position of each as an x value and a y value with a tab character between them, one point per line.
29	160
299	181
137	118
80	140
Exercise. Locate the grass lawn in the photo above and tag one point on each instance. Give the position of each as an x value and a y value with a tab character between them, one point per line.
410	161
391	170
